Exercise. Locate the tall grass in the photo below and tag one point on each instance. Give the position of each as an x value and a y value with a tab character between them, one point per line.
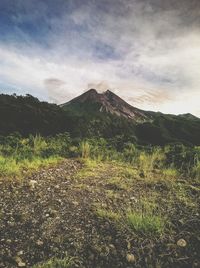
151	160
172	159
9	166
85	149
39	145
19	155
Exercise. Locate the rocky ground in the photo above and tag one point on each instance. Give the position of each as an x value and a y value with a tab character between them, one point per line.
54	212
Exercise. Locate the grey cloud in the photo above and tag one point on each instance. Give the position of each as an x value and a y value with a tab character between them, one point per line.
55	88
53	82
153	97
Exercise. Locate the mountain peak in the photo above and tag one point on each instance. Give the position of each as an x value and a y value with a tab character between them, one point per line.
108	92
108	102
91	90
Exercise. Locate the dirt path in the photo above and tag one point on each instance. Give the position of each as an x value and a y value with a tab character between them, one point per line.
49	214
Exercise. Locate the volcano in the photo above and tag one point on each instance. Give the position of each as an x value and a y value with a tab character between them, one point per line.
108	102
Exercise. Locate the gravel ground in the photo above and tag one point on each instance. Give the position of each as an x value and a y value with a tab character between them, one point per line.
51	213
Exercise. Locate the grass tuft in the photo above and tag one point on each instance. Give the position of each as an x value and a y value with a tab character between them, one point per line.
107	214
146	224
56	263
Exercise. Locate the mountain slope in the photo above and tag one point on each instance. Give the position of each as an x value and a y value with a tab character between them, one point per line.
108	113
96	115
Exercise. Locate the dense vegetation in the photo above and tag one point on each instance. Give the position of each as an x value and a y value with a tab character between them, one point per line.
18	153
27	115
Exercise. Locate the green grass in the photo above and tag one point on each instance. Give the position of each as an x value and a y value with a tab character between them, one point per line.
118	183
107	214
170	172
196	170
90	168
11	167
56	263
85	149
145	223
8	166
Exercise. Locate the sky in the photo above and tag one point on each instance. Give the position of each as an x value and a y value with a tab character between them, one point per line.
146	51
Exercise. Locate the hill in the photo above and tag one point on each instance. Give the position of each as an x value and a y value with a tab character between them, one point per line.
94	114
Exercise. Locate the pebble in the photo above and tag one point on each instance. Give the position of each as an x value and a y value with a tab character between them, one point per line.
181	243
19	262
32	184
20	253
39	242
130	257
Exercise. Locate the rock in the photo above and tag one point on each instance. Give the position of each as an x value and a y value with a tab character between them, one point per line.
20	253
112	246
39	242
11	224
181	243
130	257
19	262
32	184
133	198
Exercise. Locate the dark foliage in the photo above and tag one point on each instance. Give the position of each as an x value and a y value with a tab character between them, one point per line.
27	115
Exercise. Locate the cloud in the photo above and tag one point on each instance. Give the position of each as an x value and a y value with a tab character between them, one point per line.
148	52
54	85
100	87
153	98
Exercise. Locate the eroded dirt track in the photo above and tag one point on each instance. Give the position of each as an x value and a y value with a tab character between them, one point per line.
48	214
